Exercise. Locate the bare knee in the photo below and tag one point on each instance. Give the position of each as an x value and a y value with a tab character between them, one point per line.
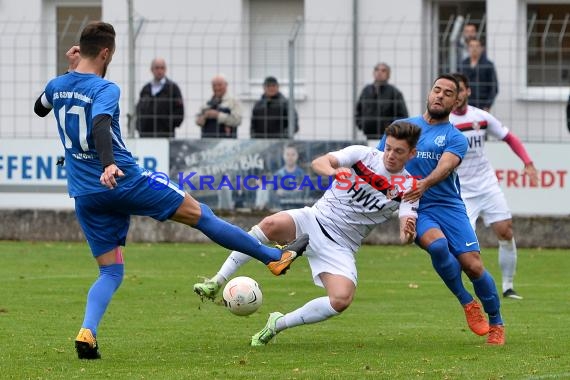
471	264
340	302
279	227
503	229
189	212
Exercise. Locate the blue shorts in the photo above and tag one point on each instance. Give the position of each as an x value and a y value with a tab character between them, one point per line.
453	222
104	217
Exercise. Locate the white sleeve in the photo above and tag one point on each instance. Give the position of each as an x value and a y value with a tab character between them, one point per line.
45	102
407	208
351	154
494	127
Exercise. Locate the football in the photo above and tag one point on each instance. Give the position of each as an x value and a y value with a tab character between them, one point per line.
242	295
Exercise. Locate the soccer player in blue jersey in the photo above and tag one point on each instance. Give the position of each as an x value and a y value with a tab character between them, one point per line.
443	228
108	186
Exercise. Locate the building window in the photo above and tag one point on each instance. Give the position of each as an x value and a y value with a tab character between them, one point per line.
548	45
70	22
271	23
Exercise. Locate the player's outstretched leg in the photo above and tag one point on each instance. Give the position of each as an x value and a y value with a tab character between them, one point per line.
289	253
314	311
208	289
234	238
268	332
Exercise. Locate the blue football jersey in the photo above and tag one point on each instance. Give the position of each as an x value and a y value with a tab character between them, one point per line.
76	99
434	141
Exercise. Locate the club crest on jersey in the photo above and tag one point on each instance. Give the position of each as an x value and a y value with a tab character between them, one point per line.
476	126
392	192
439	140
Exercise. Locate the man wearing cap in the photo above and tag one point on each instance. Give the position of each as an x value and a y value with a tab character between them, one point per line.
269	118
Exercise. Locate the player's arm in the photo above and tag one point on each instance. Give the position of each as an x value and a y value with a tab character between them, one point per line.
407	229
328	165
518	148
325	165
447	163
104	146
42	107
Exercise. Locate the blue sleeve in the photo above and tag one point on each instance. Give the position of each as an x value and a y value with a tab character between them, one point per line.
457	144
381	144
106	100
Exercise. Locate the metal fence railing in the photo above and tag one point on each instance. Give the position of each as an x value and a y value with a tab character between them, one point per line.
195	50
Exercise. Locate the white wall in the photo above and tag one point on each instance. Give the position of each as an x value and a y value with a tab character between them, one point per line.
201	38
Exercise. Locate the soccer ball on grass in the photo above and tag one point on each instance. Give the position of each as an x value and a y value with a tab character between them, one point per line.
242	296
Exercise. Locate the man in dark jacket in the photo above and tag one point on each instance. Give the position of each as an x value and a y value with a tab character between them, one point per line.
269	118
379	104
160	108
482	76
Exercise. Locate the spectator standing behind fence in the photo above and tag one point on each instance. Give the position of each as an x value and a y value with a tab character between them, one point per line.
482	76
221	115
379	104
160	109
270	115
469	33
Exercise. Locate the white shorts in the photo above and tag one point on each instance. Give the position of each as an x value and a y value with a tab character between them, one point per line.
324	255
492	206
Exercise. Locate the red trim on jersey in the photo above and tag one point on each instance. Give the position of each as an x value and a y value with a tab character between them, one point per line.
377	181
469	125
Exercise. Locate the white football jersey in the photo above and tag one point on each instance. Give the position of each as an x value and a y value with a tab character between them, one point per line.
476	174
351	208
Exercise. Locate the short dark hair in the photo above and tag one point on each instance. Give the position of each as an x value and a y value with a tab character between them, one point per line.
449	77
481	41
270	80
472	24
96	36
403	130
461	78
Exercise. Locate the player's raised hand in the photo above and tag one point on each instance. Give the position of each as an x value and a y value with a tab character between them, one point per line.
73	57
108	178
407	230
532	173
416	191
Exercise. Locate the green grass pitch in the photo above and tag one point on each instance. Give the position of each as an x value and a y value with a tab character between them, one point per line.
403	323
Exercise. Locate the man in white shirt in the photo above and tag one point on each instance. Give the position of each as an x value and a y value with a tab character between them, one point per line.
479	185
368	188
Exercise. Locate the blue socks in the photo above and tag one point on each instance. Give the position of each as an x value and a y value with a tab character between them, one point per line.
100	294
234	238
449	269
487	292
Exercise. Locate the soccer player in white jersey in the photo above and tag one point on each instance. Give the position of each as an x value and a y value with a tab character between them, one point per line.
479	185
368	189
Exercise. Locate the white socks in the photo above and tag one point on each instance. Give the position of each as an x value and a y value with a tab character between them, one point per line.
314	311
236	259
508	262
